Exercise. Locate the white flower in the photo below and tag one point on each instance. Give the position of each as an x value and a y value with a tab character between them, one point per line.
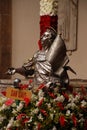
30	120
14	111
48	7
68	112
54	128
83	103
76	99
21	105
40	94
51	115
36	111
73	128
49	105
81	120
14	104
3	107
2	118
71	98
2	99
34	98
71	105
60	98
40	117
10	123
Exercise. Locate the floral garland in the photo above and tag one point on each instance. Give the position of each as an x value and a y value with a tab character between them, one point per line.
48	7
48	16
48	109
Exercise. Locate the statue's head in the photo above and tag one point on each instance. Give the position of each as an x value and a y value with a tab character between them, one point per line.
48	37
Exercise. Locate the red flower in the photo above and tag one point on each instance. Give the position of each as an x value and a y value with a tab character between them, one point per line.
25	120
66	95
74	120
4	93
85	125
27	101
9	102
41	87
51	95
30	81
19	117
43	112
60	105
39	126
83	90
62	121
23	86
40	102
75	93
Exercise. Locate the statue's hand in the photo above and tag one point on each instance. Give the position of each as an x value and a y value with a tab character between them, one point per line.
11	71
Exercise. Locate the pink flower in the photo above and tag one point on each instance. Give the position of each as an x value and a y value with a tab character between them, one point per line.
9	102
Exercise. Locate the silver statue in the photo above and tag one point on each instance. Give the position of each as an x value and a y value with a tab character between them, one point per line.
48	64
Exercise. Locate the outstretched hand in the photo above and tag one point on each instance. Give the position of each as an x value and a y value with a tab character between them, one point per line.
11	71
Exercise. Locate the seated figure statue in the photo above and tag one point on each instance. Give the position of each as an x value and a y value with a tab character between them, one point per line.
48	64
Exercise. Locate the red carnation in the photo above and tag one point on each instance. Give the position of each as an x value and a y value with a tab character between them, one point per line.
40	102
66	95
27	101
19	117
60	105
74	120
4	93
85	125
51	95
41	86
43	112
62	121
9	102
23	86
39	126
25	120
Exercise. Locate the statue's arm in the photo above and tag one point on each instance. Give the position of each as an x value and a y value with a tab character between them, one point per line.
25	70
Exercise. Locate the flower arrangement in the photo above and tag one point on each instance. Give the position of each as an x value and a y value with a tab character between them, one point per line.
48	7
49	109
48	16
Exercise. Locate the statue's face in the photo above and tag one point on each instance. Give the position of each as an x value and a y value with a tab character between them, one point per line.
48	38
